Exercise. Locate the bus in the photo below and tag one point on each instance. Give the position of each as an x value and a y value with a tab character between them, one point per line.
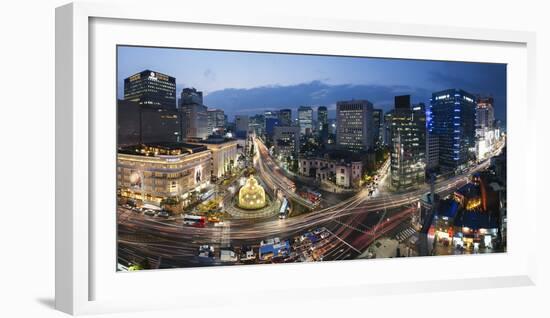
205	196
194	220
283	211
312	196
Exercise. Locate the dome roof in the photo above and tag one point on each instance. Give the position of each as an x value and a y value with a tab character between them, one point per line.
252	195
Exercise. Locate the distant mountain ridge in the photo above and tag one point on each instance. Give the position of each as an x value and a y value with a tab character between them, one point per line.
255	100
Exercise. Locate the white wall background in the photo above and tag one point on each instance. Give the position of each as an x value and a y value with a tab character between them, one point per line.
27	156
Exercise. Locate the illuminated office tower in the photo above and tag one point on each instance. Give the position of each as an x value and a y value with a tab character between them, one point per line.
216	121
377	129
451	117
151	88
322	122
408	144
305	120
485	114
354	125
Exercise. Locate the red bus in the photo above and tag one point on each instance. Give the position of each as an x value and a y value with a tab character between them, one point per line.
194	220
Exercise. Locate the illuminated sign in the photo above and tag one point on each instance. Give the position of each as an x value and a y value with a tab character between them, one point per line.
468	99
158	77
135	77
442	97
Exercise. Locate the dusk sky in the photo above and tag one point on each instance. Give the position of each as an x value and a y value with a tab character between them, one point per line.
249	83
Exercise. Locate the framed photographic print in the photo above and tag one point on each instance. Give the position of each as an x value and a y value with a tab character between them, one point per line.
238	155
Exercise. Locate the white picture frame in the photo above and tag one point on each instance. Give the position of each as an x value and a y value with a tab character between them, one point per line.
79	154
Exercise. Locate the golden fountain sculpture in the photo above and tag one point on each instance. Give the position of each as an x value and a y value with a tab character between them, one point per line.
251	195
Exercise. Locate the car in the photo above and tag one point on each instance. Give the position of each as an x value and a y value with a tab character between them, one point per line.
206	251
149	212
163	214
219	224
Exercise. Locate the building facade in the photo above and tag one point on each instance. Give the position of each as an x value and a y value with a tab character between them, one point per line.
305	120
286	141
223	153
189	96
432	152
343	171
285	117
485	113
194	115
146	124
451	117
241	125
194	121
151	88
151	173
377	120
322	123
408	144
216	121
354	124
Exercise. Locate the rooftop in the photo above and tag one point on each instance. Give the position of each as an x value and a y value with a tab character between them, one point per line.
161	149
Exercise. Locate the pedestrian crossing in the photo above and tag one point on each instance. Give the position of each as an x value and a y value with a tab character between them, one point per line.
405	234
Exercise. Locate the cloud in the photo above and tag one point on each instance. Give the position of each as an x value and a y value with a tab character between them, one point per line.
446	80
315	93
209	74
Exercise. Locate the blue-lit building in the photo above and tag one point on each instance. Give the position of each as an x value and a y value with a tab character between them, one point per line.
451	120
270	124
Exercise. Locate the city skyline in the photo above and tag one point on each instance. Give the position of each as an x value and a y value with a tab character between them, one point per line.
244	83
281	183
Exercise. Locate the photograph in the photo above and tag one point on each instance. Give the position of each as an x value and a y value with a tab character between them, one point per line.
242	158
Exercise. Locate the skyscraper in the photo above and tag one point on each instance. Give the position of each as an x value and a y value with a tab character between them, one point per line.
270	124
485	114
285	117
354	124
387	127
194	114
216	121
151	88
322	122
190	96
305	120
271	114
241	125
286	140
322	117
257	124
139	124
451	117
377	126
408	144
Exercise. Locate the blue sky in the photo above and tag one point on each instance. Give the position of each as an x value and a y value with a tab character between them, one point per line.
248	82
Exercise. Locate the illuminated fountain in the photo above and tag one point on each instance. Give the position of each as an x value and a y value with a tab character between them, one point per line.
251	195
